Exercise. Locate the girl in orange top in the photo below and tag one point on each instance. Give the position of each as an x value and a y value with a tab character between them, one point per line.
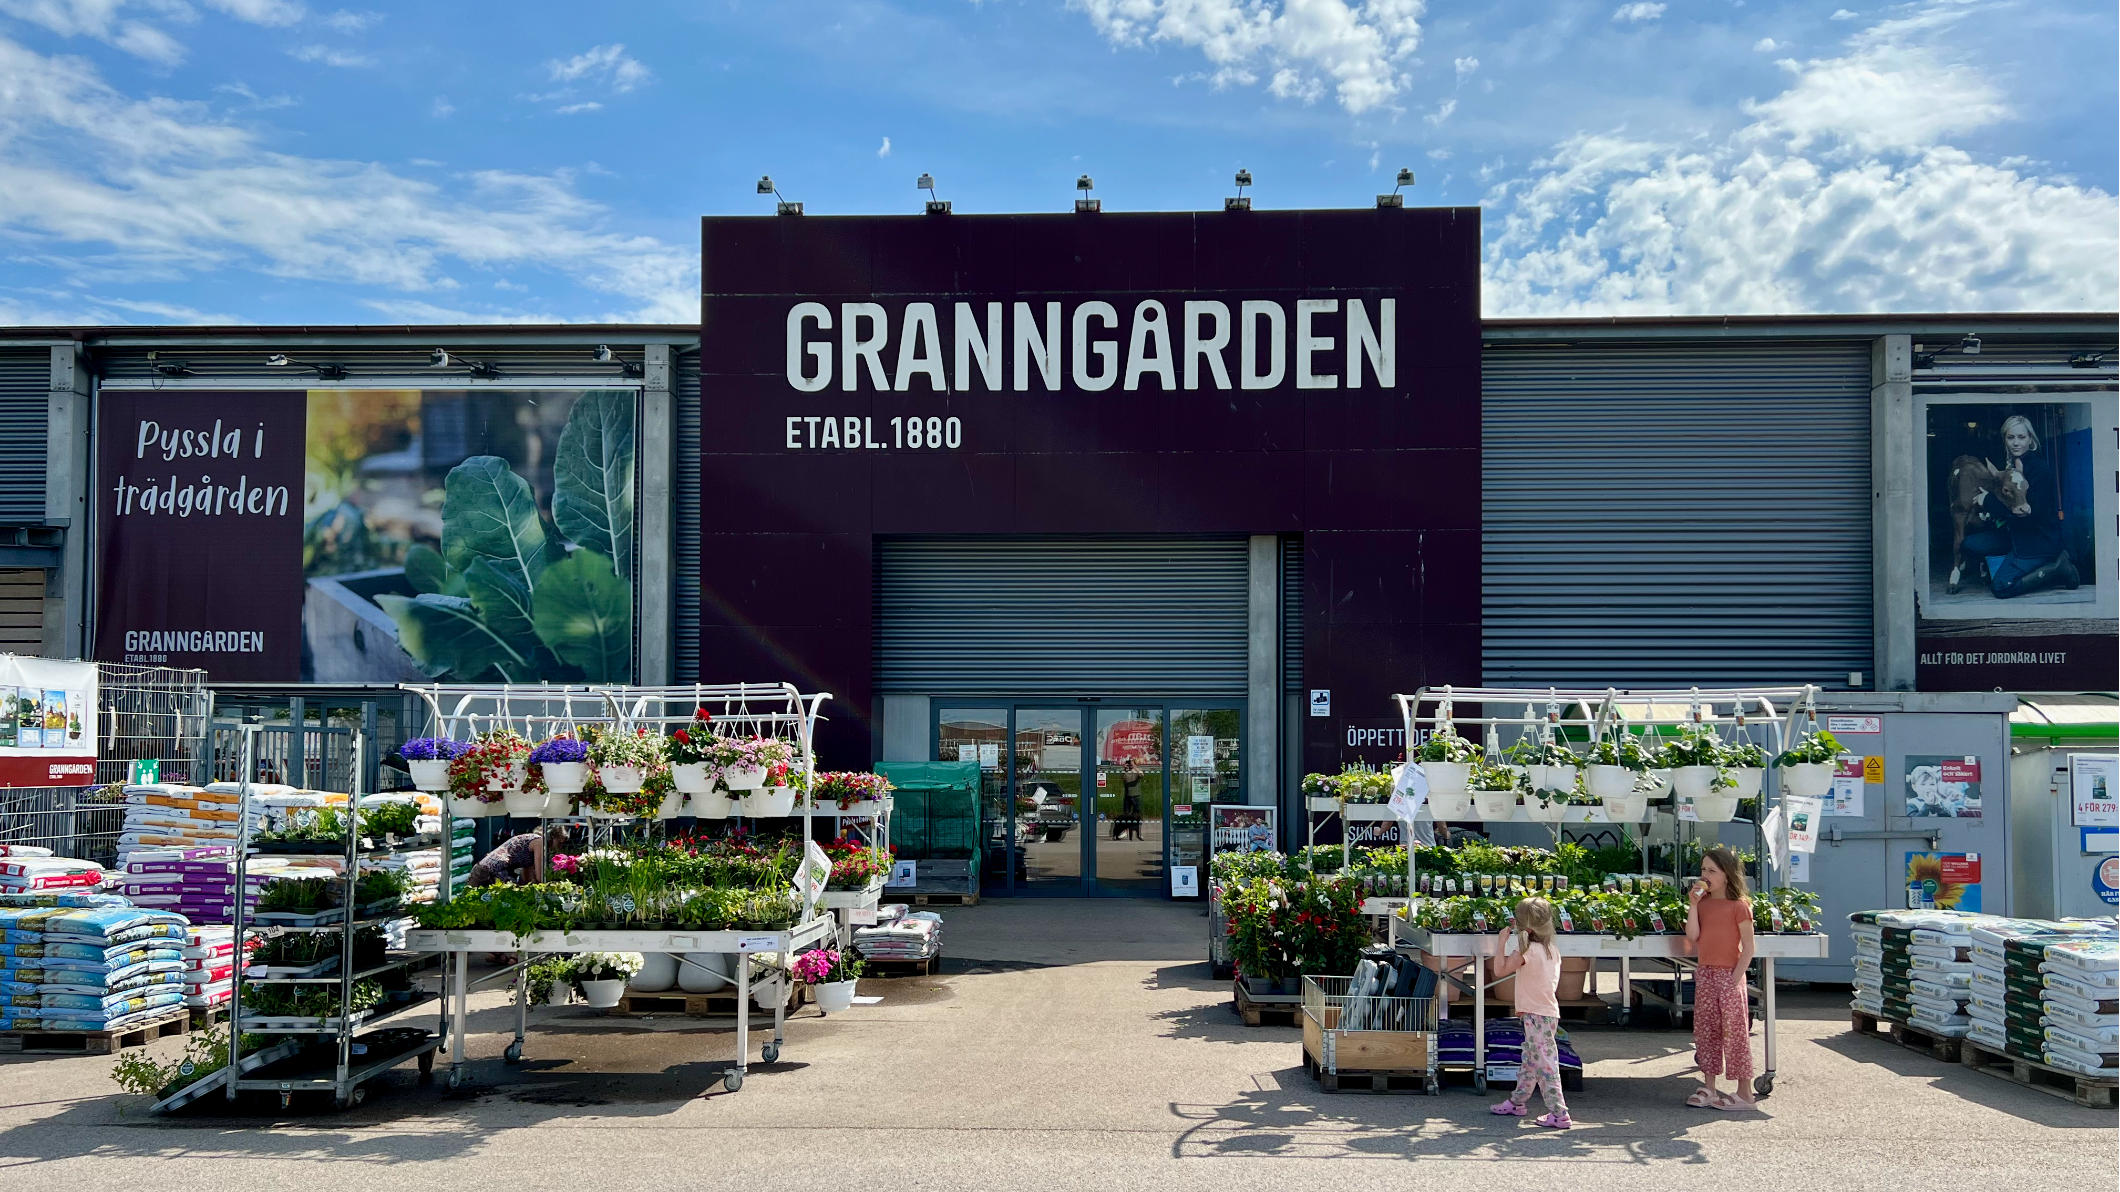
1719	926
1537	965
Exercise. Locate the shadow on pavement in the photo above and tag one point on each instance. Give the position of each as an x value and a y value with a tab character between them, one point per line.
1992	1092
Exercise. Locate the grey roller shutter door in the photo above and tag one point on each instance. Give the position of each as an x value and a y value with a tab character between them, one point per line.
1147	617
25	434
22	611
684	585
1672	515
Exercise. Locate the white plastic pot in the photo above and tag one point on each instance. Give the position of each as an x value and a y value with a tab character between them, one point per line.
1629	808
603	995
473	808
1691	782
833	996
658	972
1553	778
1454	806
1544	813
769	992
1495	805
1715	809
559	804
621	780
1609	782
1807	778
429	775
1447	778
519	802
703	972
744	778
715	804
566	778
769	801
1662	779
1747	779
691	778
672	806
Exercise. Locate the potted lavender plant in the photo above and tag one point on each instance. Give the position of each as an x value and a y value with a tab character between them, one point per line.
563	762
428	759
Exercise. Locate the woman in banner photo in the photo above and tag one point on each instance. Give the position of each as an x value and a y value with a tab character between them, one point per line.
2024	553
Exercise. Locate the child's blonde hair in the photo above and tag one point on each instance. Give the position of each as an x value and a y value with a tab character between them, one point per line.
1733	871
1534	917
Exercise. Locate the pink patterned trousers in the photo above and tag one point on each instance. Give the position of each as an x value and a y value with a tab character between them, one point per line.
1722	1024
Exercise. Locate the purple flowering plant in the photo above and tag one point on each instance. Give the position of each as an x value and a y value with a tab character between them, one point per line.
433	749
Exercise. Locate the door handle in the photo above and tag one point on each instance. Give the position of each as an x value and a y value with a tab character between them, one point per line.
1934	836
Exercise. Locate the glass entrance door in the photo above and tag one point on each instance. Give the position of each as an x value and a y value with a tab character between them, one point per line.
1132	779
1046	767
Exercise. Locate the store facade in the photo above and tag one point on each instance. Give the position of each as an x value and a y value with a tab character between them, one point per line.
1141	513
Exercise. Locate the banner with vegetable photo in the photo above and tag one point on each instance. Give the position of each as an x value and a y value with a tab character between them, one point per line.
469	535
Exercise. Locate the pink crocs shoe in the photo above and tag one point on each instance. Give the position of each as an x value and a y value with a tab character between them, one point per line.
1556	1122
1508	1109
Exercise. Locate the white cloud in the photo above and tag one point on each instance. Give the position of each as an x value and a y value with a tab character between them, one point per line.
329	56
884	150
110	22
102	188
1842	14
442	107
1465	67
1767	45
607	65
1303	47
570	109
1639	11
1840	195
1435	119
351	22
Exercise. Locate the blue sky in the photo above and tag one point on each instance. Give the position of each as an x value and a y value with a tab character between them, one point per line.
274	161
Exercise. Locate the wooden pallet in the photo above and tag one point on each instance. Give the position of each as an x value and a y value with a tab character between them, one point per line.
1942	1048
176	1022
1346	1081
1286	1009
930	967
936	898
693	1005
2096	1092
206	1016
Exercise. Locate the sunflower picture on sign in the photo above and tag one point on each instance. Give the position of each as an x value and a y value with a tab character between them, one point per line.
1946	881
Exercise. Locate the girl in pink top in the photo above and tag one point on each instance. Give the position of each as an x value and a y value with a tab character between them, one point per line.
1537	965
1719	924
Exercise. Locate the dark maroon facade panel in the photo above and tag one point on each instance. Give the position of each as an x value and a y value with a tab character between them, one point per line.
800	473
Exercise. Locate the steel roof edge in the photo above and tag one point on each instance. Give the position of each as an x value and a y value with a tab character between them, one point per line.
446	334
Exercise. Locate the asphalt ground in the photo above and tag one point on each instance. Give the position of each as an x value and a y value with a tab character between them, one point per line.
1067	1044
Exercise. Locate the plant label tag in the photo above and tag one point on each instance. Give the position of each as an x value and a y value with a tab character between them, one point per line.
862	916
757	943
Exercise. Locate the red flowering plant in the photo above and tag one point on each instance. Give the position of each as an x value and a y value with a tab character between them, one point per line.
491	759
1282	928
696	742
855	864
847	787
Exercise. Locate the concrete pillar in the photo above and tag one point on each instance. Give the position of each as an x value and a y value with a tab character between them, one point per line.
67	592
1895	472
1263	679
655	547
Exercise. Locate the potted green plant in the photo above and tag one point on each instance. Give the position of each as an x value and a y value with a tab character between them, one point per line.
1549	770
1493	791
1693	760
1744	766
1807	767
603	976
831	975
623	759
1447	760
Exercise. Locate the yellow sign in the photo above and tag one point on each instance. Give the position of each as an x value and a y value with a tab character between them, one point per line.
1873	771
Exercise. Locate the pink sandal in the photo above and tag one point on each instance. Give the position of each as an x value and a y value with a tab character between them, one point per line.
1555	1121
1508	1109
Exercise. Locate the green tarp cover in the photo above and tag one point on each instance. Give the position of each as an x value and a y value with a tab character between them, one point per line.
936	812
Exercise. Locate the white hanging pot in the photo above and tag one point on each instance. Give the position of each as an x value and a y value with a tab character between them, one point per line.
1609	782
1807	778
658	972
473	808
621	780
519	802
1629	808
715	804
1495	805
1747	779
1456	805
1715	809
603	995
559	804
566	778
510	780
1662	779
429	775
744	778
1553	778
770	801
672	806
691	778
1691	782
834	996
1447	778
769	992
1546	812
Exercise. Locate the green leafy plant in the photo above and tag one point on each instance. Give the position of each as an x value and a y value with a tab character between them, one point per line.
301	895
1697	745
205	1053
1745	755
1816	746
1493	778
1620	748
505	597
396	818
1444	745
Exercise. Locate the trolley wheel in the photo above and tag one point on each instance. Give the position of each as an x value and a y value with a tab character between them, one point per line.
455	1078
513	1054
733	1080
770	1053
1479	1083
1764	1086
360	1095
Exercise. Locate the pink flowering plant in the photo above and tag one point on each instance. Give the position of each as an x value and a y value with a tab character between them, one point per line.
847	787
825	966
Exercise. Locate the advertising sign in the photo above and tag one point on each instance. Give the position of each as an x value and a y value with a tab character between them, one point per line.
47	722
1136	741
2016	587
1942	786
1943	881
368	536
1240	829
1845	797
2094	787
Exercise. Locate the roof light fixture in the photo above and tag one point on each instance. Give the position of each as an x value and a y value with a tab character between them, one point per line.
1394	199
780	206
1086	205
626	368
935	206
325	372
1241	202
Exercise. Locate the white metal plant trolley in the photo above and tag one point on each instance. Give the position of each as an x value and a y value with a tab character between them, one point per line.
763	709
1604	710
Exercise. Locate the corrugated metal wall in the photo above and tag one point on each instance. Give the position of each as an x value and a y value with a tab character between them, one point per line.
25	399
684	585
22	611
1291	612
1148	617
1676	514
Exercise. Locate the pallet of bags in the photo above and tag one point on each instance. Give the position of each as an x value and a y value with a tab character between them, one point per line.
903	937
109	969
162	816
1868	960
209	966
198	883
1940	976
22	965
2081	995
26	873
